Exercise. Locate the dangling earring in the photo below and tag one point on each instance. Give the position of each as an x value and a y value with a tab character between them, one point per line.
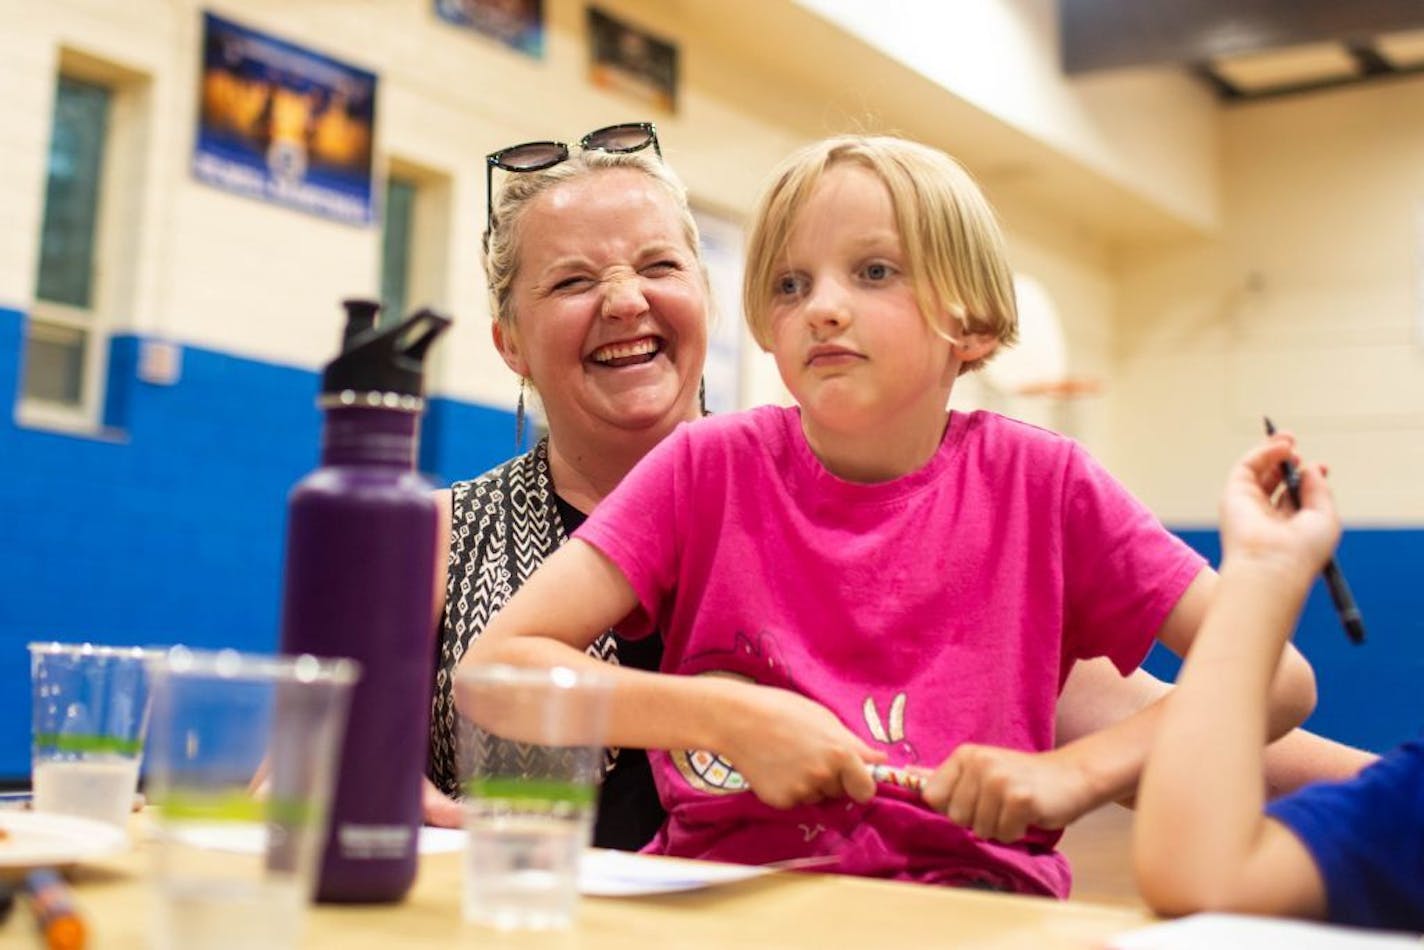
702	395
519	418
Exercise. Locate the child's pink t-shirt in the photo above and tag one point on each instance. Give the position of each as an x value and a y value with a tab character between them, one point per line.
943	607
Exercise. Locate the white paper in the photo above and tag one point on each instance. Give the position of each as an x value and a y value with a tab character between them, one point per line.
245	838
441	840
1213	931
38	839
621	874
601	873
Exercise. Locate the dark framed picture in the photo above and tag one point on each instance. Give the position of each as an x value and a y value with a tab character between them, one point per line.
631	61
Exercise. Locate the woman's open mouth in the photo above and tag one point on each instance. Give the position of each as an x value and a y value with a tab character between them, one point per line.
630	353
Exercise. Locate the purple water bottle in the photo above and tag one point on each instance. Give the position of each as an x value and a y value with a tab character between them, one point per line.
359	582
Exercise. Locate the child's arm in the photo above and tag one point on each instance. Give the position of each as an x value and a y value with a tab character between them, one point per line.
790	749
1097	696
1201	839
999	792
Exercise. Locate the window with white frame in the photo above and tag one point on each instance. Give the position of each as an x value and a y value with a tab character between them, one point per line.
415	239
397	238
60	345
89	240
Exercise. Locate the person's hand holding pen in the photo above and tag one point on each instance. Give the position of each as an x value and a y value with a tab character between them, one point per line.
1340	594
1293	536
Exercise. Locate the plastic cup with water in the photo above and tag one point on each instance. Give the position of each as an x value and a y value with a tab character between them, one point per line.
242	758
531	756
89	710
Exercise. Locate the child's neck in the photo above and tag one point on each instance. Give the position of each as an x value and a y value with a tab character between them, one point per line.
881	454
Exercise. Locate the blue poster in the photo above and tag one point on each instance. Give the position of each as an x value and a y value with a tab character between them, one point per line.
515	23
280	122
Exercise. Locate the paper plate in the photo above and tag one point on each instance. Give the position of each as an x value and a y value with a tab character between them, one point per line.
35	839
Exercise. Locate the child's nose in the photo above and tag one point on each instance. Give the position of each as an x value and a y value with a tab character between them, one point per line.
827	306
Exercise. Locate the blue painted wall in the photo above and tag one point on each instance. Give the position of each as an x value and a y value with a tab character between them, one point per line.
1370	695
169	528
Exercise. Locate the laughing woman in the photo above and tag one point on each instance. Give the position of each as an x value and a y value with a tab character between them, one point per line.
600	303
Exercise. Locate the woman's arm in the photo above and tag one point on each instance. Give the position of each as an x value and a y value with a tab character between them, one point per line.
789	748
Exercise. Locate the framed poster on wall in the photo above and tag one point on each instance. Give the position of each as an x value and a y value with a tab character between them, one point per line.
284	123
518	24
628	60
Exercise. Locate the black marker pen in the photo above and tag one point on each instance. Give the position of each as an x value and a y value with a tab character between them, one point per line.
1334	580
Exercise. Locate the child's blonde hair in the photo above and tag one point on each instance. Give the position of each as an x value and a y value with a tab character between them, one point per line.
952	243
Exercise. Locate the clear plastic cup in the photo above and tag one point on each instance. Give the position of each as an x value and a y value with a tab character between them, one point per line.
89	710
242	758
531	755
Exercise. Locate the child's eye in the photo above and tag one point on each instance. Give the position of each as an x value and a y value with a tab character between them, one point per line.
789	285
877	271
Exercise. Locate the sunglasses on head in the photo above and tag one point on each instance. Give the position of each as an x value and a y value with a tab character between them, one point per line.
537	156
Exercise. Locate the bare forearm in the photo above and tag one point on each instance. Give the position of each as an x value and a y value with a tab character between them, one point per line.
1200	803
1113	756
649	710
1291	698
1300	757
551	620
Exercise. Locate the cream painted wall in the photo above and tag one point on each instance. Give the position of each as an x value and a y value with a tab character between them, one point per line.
218	270
1307	309
1153	132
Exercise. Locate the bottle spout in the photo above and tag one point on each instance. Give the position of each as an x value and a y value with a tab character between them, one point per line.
360	317
420	330
382	359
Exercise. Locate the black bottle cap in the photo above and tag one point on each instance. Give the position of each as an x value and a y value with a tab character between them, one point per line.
382	359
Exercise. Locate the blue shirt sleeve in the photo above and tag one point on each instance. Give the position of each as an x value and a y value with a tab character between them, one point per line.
1367	838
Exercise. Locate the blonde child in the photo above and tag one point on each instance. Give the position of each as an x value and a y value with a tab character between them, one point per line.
1350	851
866	578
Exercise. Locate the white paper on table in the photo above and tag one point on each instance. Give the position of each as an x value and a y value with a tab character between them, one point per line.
247	838
1212	931
622	874
601	873
442	840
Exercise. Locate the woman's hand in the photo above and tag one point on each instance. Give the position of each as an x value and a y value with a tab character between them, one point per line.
437	809
794	751
998	793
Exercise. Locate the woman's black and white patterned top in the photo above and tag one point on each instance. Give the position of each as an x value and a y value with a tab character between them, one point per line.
503	524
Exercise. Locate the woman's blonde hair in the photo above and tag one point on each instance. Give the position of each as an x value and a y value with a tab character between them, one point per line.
953	247
501	241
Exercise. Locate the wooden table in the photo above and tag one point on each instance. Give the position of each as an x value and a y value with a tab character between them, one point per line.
787	909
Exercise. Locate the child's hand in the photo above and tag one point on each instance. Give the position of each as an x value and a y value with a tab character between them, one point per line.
998	793
794	751
1276	534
